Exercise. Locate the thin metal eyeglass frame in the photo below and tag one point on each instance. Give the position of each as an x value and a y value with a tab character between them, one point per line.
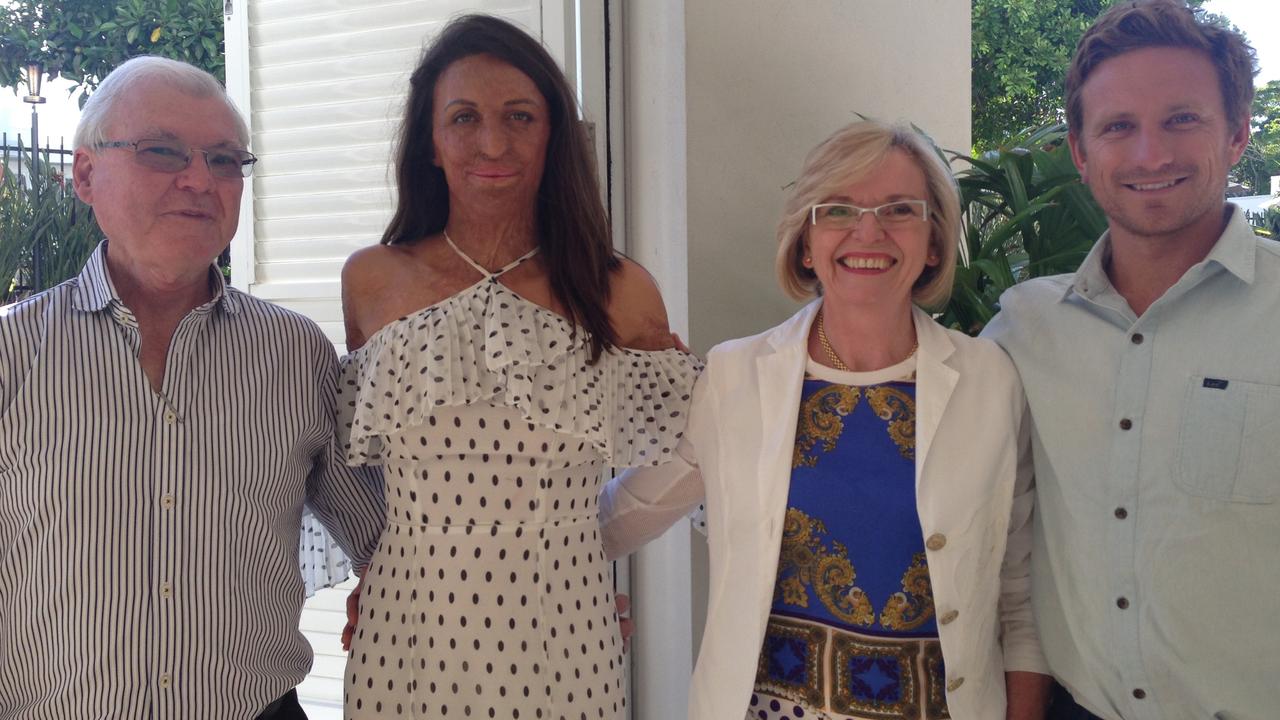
875	212
246	163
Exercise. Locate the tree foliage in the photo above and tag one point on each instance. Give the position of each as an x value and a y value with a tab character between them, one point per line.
1262	158
82	40
1020	53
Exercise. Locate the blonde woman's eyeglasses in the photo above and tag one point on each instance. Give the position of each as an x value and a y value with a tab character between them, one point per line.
842	216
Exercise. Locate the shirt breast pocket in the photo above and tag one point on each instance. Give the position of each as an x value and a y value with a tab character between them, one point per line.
1229	445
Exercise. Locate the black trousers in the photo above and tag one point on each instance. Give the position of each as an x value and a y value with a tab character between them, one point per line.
1063	707
286	708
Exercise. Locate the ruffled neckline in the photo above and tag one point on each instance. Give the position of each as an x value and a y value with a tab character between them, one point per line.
487	343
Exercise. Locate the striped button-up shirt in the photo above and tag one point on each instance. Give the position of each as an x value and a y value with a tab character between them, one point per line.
149	540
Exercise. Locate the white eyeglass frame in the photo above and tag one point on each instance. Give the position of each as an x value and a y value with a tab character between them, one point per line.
875	212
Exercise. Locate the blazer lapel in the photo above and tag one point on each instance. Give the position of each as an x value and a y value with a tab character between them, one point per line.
935	381
780	378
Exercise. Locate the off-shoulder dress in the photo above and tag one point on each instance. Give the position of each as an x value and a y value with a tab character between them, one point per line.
489	595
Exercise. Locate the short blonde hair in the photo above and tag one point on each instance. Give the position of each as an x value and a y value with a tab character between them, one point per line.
845	158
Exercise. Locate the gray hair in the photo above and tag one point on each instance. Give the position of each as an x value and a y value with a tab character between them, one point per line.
189	79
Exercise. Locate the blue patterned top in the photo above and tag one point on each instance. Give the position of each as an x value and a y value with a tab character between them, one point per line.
852	548
852	629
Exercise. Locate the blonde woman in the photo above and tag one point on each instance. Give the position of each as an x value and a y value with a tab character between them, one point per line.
867	520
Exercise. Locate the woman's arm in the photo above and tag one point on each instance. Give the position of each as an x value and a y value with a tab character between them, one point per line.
360	287
640	504
1028	695
1027	679
636	310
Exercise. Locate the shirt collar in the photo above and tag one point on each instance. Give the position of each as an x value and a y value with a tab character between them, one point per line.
1234	252
94	290
1237	249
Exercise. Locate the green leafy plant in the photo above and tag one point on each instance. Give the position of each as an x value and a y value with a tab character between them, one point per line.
43	207
1026	214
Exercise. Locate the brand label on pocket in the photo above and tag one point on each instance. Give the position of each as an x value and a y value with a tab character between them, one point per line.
1215	383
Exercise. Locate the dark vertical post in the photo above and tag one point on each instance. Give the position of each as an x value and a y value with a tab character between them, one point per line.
37	249
35	76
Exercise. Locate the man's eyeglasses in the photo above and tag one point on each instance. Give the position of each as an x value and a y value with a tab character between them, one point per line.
841	216
172	156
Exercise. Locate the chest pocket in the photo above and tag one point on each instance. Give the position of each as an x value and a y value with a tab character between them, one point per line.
1229	445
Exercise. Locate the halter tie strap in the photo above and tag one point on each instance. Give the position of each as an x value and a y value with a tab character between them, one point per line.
480	268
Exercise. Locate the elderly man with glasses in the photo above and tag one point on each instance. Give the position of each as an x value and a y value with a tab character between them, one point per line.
160	433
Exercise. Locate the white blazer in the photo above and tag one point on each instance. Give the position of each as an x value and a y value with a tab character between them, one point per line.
973	496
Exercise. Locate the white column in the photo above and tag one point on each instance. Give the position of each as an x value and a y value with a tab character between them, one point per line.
236	39
657	237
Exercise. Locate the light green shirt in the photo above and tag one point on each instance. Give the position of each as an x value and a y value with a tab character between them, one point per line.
1156	442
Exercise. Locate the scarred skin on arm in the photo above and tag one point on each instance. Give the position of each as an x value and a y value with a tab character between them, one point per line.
636	309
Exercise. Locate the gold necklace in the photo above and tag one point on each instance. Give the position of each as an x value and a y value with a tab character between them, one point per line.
832	357
830	352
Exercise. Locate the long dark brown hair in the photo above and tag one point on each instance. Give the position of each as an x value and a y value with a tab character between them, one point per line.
572	225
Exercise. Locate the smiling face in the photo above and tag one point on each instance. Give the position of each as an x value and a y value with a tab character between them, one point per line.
163	228
490	127
867	265
1155	146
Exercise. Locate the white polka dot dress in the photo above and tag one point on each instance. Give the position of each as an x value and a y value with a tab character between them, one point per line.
489	595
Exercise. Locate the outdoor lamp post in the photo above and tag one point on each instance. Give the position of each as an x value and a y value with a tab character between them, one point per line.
35	76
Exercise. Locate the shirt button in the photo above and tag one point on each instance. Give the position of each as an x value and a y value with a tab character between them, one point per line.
936	541
1126	423
166	502
948	617
165	681
954	685
1136	338
1122	603
1121	513
170	418
166	590
1139	693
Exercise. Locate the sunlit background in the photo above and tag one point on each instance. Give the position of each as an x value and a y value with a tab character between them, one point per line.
1259	19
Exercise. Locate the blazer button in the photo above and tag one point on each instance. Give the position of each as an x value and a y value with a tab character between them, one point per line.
948	617
936	541
954	685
